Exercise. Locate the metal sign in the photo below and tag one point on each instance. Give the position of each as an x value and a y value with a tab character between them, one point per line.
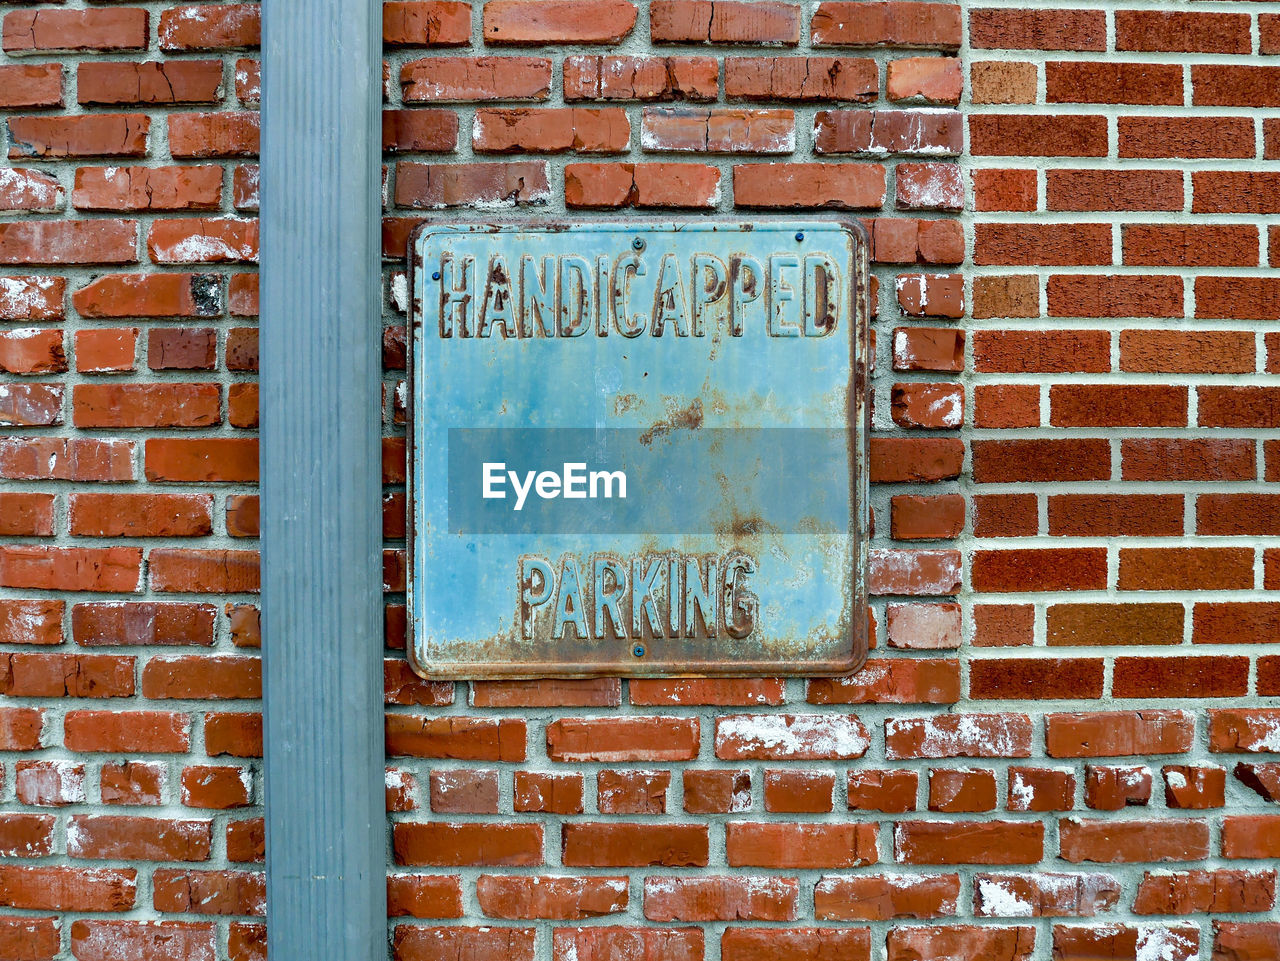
638	449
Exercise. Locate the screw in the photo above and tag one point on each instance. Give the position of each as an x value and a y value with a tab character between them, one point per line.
638	650
800	236
638	244
435	275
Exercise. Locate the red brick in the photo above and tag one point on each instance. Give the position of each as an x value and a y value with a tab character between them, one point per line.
29	939
236	734
1030	569
1037	135
557	21
934	25
550	898
1113	624
63	242
1006	515
138	839
968	842
210	27
779	845
1193	459
32	298
1022	678
623	739
112	569
1109	788
106	350
26	515
1176	32
1007	296
892	681
67	889
424	896
1041	460
801	78
1044	895
1235	623
1224	85
215	240
1187	352
958	735
890	791
1078	81
436	187
216	788
90	135
413	943
716	792
542	130
1185	569
419	130
31	85
1005	190
175	81
1233	941
926	518
928	348
426	23
798	792
1041	789
219	460
67	675
596	692
146	405
641	78
203	677
998	81
910	943
923	626
223	134
933	80
30	190
114	622
47	31
720	899
615	844
886	897
31	621
1175	942
465	739
1168	676
1194	788
700	21
1117	405
768	944
717	130
1038	29
934	132
1040	244
901	459
1239	406
21	728
632	792
140	515
700	691
1118	733
1114	190
1233	192
476	78
1193	137
1112	841
49	783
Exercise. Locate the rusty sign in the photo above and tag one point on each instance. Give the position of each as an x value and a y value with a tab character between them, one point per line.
638	449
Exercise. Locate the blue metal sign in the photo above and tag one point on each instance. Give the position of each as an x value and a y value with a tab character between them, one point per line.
638	449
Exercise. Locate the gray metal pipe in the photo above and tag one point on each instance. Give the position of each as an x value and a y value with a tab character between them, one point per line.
321	484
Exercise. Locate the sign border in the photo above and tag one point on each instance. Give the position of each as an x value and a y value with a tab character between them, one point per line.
858	421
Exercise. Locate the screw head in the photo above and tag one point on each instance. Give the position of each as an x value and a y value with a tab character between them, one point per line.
435	275
638	650
637	244
800	236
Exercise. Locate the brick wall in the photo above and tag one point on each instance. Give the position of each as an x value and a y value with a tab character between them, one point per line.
1077	317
